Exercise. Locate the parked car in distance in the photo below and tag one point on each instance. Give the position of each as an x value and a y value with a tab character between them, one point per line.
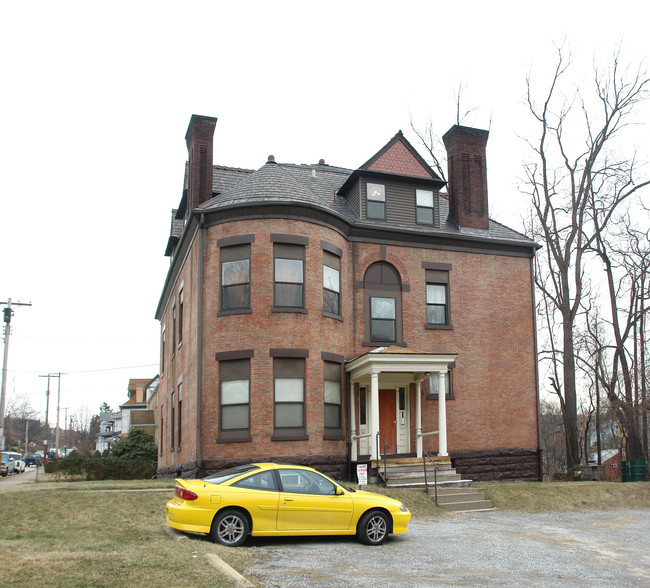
19	464
8	464
268	499
34	459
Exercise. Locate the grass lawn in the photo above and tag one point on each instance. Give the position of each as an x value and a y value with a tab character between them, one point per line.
113	533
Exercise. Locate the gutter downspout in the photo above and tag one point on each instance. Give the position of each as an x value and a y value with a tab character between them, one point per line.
199	343
540	465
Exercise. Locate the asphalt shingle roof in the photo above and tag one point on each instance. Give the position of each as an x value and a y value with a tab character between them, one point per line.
316	185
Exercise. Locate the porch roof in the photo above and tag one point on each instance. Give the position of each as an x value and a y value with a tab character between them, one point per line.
399	360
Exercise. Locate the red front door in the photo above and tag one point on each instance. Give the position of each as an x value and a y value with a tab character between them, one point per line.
387	419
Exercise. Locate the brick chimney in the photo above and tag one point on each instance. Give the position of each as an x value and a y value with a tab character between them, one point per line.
199	138
467	175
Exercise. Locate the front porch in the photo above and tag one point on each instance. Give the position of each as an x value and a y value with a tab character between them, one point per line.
382	418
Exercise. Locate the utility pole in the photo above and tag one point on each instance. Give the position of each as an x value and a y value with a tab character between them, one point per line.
65	432
7	314
58	410
47	413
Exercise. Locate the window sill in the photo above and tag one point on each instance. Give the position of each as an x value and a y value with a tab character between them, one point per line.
235	311
338	436
242	439
433	327
383	344
435	397
336	317
286	309
280	437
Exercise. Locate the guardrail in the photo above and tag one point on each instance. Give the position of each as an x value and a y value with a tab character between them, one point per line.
426	456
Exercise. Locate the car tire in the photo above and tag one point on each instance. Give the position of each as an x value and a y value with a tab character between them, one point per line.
373	528
230	528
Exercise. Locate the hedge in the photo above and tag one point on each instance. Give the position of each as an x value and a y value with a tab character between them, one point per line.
101	468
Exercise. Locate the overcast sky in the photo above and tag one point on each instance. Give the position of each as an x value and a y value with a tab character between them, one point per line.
96	99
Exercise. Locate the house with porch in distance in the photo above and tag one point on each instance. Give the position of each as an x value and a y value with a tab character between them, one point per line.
329	316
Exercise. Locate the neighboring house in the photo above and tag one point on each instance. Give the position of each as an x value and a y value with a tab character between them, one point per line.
311	314
135	412
110	429
152	405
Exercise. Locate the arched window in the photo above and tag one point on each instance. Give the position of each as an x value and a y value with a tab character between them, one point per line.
383	304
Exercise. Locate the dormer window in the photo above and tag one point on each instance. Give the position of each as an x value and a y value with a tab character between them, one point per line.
376	201
424	207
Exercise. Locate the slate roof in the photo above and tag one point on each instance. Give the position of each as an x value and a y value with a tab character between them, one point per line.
316	185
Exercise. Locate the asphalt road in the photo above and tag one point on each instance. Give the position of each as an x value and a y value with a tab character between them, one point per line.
473	549
27	476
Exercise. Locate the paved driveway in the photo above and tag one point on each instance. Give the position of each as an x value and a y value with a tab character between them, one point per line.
481	549
27	476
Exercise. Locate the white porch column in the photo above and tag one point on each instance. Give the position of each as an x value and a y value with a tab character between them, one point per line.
353	424
442	415
418	417
374	413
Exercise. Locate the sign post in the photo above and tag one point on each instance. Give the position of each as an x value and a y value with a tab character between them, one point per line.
362	473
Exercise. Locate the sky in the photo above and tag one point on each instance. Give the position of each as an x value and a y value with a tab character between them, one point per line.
95	102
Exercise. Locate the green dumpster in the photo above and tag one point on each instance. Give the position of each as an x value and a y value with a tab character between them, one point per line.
625	471
638	469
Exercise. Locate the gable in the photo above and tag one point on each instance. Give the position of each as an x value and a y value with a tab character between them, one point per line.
398	160
399	157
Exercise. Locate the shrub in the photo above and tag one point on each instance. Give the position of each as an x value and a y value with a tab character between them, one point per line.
102	468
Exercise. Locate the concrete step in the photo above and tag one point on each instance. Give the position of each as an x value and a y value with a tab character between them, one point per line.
419	483
450	497
461	499
467	506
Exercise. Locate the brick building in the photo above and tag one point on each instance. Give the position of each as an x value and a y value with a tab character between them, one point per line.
312	313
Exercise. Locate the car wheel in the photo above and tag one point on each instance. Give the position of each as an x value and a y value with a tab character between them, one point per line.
230	527
373	528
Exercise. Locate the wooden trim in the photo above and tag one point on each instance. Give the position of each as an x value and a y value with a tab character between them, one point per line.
239	354
333	249
428	265
333	357
236	240
288	352
290	239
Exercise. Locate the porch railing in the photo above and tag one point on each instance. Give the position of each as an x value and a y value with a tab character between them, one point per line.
379	453
426	456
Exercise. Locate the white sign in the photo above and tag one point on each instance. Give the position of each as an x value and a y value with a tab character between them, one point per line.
362	473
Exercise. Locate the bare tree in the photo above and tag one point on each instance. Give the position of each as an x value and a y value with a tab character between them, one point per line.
626	264
571	162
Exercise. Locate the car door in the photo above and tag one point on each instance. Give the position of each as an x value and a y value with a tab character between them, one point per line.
258	493
309	503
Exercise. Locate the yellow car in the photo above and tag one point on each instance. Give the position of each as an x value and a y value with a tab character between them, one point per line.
265	499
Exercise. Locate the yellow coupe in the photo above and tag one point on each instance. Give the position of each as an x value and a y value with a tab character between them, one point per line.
265	499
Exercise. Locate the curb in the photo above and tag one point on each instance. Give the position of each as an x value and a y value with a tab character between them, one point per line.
222	566
214	560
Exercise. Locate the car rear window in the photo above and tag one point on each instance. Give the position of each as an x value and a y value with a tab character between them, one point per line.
225	475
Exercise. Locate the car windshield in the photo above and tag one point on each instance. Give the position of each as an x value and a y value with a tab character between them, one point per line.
225	475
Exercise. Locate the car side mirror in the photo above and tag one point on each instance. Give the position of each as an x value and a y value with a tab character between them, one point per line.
338	491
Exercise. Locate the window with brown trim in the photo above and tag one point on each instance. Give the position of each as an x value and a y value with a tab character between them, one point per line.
332	394
289	395
331	284
171	422
288	276
449	384
437	296
179	416
376	201
236	277
234	384
424	207
383	304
